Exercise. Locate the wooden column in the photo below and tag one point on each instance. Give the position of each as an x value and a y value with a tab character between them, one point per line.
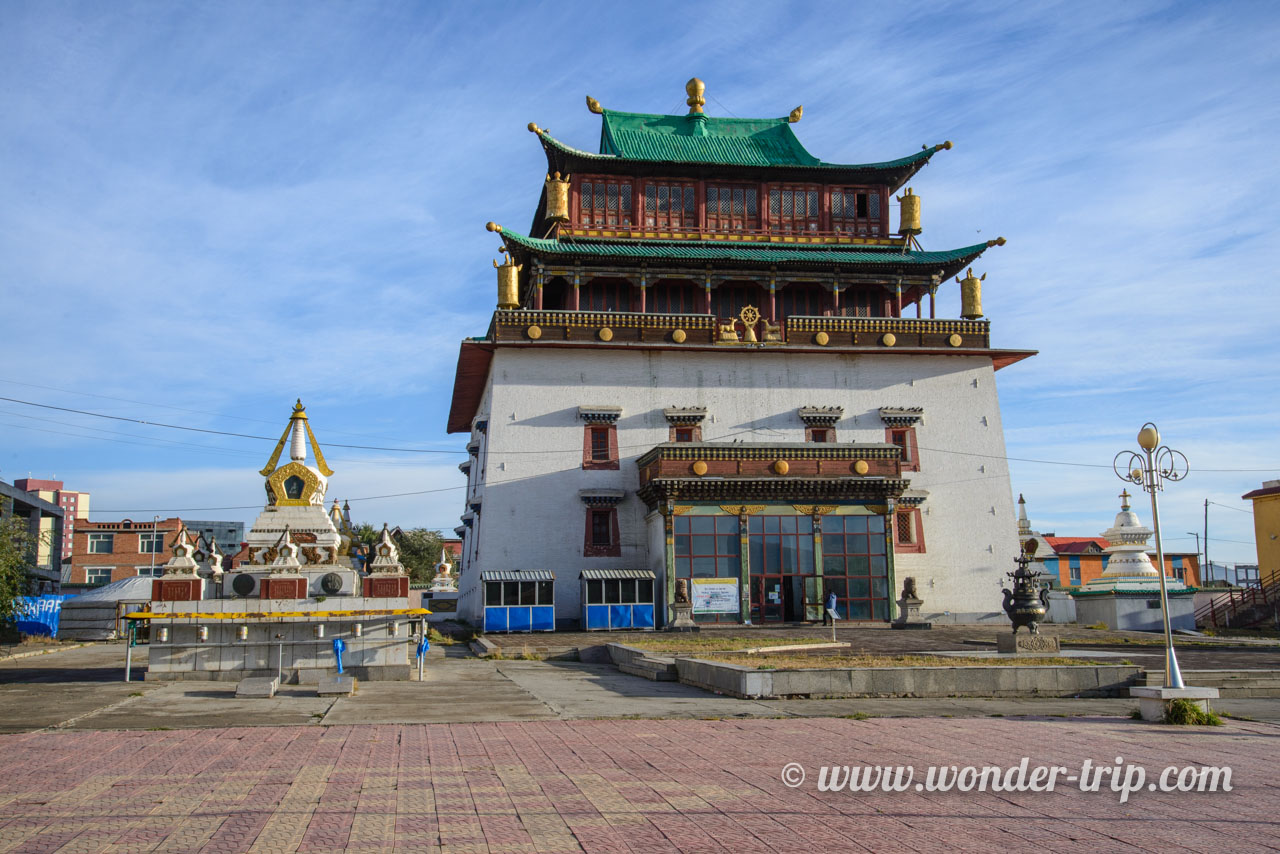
644	287
577	282
932	305
835	298
744	562
773	298
669	559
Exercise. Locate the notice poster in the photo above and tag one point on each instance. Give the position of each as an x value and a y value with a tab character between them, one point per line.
715	595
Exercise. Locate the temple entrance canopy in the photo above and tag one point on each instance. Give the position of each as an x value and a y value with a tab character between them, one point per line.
788	522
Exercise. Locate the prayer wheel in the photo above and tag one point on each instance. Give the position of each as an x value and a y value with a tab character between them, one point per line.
558	198
971	295
508	284
909	213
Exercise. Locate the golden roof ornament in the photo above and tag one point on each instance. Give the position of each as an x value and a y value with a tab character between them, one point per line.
594	106
909	213
971	295
508	281
557	198
796	114
695	89
299	415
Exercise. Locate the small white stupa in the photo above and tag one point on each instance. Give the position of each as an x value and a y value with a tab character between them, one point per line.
444	582
1126	596
1129	568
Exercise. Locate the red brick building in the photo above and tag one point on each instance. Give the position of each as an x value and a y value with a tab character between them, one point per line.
103	552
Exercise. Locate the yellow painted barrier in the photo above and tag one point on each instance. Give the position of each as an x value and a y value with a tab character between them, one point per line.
268	615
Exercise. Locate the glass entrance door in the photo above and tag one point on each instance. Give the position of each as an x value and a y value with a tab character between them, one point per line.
781	562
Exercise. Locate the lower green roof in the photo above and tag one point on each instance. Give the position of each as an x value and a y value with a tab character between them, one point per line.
696	250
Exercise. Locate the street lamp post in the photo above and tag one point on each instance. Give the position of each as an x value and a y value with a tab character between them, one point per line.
1150	469
1196	534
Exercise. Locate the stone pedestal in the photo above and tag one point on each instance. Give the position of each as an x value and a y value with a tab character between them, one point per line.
1135	610
1153	699
1024	643
259	687
177	589
386	586
336	686
909	615
682	618
283	587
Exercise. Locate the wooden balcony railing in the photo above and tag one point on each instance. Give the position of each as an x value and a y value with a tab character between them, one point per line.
625	327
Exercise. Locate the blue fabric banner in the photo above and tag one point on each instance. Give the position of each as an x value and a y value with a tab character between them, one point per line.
38	615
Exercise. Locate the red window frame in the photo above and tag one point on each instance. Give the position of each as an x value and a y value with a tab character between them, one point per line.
861	302
802	299
783	207
728	300
905	438
675	297
909	521
685	433
605	295
599	518
855	566
858	210
657	210
602	201
828	434
732	207
593	435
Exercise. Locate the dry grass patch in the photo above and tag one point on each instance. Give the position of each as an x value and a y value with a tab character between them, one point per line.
714	643
840	662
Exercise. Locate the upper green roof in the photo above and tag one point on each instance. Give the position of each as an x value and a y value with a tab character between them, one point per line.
702	139
698	138
701	250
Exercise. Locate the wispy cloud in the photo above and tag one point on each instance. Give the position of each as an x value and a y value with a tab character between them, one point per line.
222	207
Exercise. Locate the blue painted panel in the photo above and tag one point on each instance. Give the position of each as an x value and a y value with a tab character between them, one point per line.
597	617
544	618
495	619
642	616
518	619
619	616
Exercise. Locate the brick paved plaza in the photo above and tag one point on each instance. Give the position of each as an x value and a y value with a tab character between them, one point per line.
618	785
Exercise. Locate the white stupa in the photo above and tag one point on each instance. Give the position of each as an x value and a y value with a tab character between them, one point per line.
444	582
1129	568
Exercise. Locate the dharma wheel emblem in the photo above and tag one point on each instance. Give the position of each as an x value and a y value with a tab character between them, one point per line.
749	316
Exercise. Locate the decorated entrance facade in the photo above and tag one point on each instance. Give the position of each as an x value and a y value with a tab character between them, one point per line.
764	533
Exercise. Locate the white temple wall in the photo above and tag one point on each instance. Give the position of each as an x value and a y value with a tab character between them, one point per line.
532	516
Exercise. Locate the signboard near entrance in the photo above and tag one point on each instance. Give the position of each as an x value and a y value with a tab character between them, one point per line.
715	595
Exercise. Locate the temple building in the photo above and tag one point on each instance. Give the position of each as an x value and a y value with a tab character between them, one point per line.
714	360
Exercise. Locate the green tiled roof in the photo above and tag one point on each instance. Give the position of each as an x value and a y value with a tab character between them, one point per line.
698	250
714	140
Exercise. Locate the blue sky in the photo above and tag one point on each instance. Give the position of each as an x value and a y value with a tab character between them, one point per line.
211	209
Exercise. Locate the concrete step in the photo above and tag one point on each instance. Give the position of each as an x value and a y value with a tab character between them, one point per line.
654	669
1230	683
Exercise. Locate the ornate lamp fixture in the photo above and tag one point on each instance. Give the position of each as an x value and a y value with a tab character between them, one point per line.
1149	470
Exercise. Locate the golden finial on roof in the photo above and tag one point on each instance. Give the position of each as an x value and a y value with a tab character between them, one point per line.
796	114
493	226
594	106
299	411
533	127
695	89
